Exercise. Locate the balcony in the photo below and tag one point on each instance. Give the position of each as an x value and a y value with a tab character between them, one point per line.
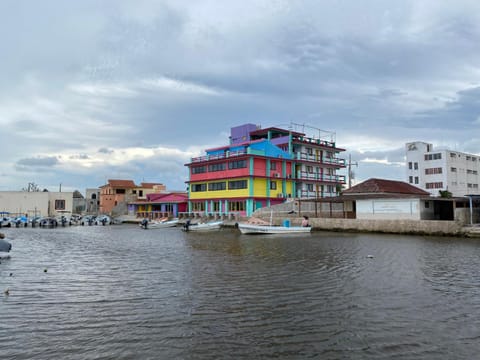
328	161
305	194
337	179
225	155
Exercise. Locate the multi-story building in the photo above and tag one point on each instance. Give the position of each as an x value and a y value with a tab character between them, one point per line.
262	167
442	170
121	192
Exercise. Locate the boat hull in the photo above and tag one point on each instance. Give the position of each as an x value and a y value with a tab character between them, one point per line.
269	229
204	226
160	224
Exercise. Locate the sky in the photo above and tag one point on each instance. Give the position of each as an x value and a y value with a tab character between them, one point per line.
94	90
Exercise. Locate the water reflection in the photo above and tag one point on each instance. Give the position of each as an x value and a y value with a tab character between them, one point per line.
122	292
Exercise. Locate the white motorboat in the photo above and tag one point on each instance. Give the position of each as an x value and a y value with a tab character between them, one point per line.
207	226
5	248
158	224
272	229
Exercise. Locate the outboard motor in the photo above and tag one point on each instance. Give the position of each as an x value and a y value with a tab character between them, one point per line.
104	221
64	221
144	223
90	221
186	226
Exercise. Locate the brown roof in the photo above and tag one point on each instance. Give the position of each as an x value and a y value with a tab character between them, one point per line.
386	187
121	183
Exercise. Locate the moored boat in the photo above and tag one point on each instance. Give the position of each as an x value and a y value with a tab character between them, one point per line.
207	226
159	224
272	229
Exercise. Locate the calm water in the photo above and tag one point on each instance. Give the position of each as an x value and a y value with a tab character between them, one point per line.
120	292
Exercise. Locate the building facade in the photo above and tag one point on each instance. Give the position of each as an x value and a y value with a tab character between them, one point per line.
442	170
36	203
120	192
262	167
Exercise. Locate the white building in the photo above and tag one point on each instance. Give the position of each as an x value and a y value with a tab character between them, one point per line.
36	203
440	170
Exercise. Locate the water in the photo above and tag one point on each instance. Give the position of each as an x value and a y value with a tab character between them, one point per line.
119	292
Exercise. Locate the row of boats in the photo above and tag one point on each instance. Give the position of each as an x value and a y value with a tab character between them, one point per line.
23	221
254	226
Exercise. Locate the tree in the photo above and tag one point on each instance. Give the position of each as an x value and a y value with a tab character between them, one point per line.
445	194
32	187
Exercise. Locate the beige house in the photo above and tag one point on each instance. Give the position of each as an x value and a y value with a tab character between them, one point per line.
44	203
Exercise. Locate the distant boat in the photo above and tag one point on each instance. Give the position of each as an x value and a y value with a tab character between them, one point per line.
272	229
207	226
158	224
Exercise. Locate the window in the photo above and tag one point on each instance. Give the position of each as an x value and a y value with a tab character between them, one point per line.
217	186
198	187
237	184
453	169
198	206
239	164
410	165
310	169
120	191
431	171
59	204
453	155
273	165
310	187
416	179
410	179
415	166
140	193
273	185
434	185
216	167
236	206
436	156
198	169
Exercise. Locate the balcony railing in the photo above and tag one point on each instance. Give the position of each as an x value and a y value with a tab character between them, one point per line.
305	194
314	141
325	160
303	175
224	155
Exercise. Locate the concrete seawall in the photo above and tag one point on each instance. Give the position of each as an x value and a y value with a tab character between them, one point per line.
419	227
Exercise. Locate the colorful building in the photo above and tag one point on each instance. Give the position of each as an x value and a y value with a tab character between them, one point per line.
157	206
262	167
121	192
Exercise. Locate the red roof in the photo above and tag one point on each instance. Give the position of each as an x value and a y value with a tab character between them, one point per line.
150	185
168	198
121	183
382	186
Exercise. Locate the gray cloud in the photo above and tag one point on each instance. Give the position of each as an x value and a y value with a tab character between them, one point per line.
116	77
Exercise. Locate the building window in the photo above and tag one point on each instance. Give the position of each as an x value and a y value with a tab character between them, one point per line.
198	206
273	165
217	186
310	169
434	185
198	169
273	185
237	184
140	193
410	165
239	164
432	171
198	187
415	166
236	206
216	167
436	156
453	169
310	187
416	179
410	179
59	204
453	155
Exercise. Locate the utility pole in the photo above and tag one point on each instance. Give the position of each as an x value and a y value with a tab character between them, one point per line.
350	163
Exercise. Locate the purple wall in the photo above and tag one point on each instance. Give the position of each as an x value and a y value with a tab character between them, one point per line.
239	134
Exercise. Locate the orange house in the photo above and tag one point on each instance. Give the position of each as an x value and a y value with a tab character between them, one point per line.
124	191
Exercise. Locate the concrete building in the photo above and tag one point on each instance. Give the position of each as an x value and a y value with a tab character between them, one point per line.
118	193
260	168
442	170
36	203
92	200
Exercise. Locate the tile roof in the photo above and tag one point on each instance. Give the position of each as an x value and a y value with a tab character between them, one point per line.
382	186
121	183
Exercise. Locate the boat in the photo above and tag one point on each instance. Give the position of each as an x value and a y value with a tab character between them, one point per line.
158	224
202	226
272	229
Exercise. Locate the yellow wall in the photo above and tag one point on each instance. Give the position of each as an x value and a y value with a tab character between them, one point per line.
259	190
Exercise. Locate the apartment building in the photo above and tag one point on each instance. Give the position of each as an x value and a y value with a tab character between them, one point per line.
262	167
442	170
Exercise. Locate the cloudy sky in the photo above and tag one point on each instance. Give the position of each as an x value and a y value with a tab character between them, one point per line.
132	89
